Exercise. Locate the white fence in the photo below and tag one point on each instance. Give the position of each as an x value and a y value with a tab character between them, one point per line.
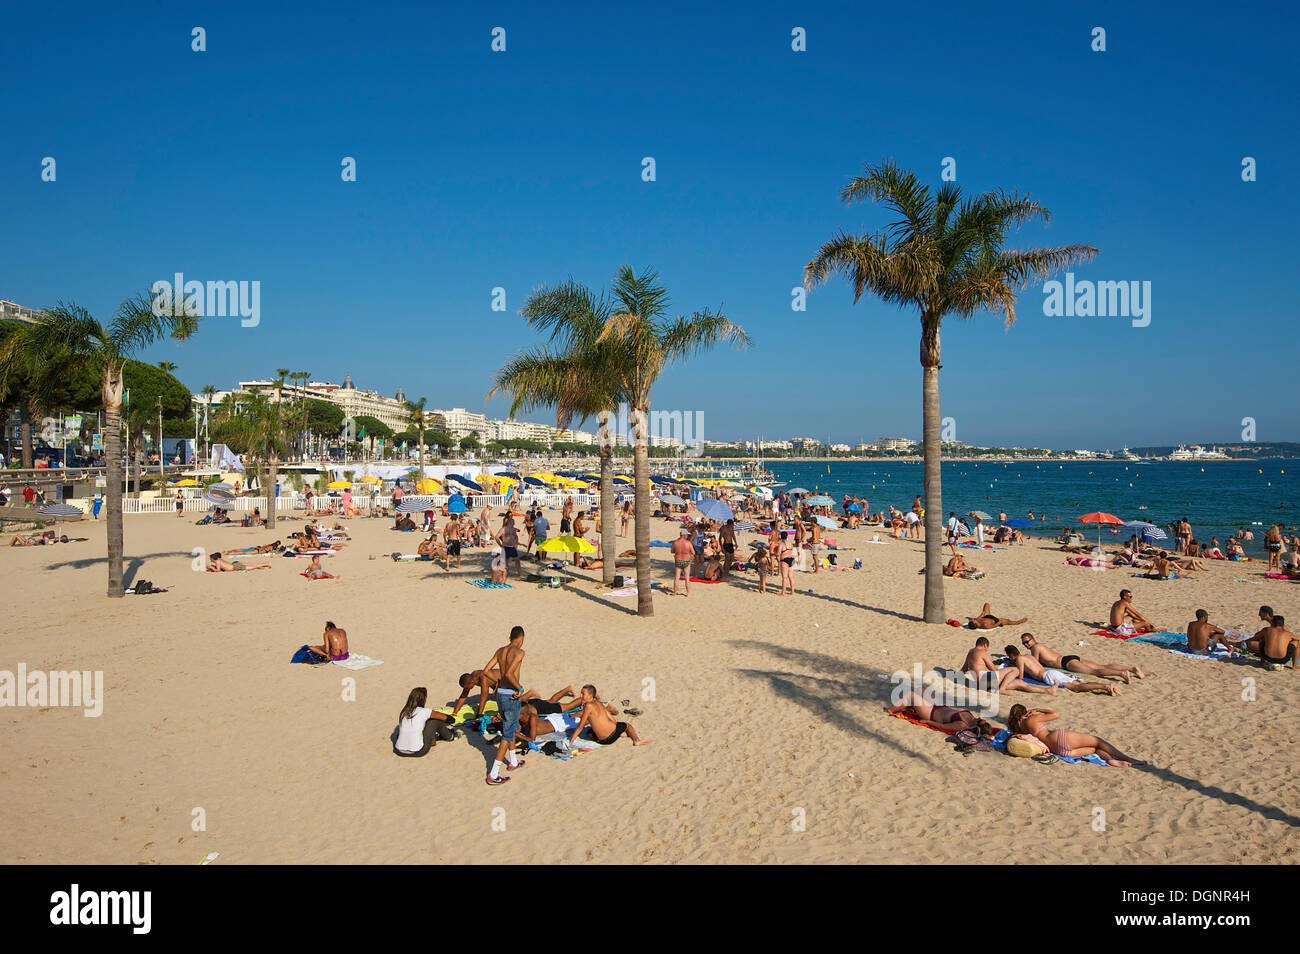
288	503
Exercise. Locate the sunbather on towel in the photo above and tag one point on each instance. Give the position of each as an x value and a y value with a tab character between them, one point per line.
986	620
1125	620
603	726
1031	668
274	547
218	565
314	570
1204	637
1054	660
978	662
334	643
958	566
1063	742
945	718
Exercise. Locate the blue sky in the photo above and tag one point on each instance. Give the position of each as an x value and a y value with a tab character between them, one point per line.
478	169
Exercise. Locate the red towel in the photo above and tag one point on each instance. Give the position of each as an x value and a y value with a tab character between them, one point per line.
907	718
953	622
696	579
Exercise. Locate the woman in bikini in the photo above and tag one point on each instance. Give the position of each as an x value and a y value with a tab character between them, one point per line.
1063	742
948	719
783	557
1273	541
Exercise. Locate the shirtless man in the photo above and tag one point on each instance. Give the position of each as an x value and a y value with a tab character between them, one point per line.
978	662
432	548
1054	660
579	528
1275	645
508	538
1031	668
1125	620
986	620
727	536
507	661
315	571
603	727
683	556
958	566
1203	636
452	534
217	565
334	643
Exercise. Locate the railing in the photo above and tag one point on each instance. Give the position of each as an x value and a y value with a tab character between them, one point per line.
288	503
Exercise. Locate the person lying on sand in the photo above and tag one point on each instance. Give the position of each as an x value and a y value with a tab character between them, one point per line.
1031	668
1054	660
1275	645
1204	637
315	571
334	643
1125	620
986	620
274	547
1063	742
218	565
36	539
945	718
978	661
603	727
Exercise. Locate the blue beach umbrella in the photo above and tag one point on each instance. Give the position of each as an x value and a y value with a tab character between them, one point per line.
715	510
854	508
456	503
819	500
826	522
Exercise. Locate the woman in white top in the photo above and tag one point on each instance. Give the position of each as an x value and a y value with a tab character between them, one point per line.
419	727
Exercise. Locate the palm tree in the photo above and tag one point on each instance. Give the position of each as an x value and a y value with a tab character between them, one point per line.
209	390
650	341
70	328
168	366
576	380
419	421
942	255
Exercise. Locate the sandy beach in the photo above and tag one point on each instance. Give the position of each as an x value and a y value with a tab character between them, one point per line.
766	711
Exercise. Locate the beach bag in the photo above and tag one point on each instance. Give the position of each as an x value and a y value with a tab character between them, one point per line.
143	588
305	655
1025	746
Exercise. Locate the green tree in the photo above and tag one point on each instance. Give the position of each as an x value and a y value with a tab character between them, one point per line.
374	429
940	255
39	383
70	329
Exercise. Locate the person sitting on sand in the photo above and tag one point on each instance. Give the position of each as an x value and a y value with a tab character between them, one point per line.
948	719
1031	668
334	643
1275	645
431	549
1063	742
404	522
217	565
603	727
315	571
1125	620
419	728
1204	637
1054	660
1162	568
978	662
986	620
958	566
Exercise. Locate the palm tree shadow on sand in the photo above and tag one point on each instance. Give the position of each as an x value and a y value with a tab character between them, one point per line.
825	696
133	563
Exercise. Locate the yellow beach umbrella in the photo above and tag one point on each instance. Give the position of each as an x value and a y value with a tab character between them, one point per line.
371	480
338	484
569	544
427	485
187	482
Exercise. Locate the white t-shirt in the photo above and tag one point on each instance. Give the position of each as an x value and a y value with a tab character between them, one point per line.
410	734
911	517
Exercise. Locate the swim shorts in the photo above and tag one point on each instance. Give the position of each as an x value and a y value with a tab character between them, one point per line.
614	736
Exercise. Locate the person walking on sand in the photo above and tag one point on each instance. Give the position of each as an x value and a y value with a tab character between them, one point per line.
508	660
683	557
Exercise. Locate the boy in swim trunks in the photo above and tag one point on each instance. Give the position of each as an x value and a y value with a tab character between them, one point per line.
603	727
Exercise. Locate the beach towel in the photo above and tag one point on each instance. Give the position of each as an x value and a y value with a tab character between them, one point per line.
1165	639
1221	655
357	661
1000	743
1282	576
908	718
316	579
489	585
1251	582
1159	579
625	591
660	543
467	712
696	579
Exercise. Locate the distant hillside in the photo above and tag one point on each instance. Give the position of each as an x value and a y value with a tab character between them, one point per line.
1239	449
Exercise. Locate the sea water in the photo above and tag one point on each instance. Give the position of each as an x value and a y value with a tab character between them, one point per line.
1217	497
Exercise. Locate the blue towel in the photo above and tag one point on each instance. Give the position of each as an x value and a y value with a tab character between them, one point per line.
489	585
660	543
1000	743
1167	639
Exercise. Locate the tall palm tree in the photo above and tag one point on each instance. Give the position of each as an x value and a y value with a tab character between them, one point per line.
649	340
941	255
417	419
71	329
168	366
576	379
209	390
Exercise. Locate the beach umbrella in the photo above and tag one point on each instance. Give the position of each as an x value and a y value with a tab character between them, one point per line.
672	500
819	500
221	498
978	513
456	503
569	544
854	508
221	485
826	522
371	480
339	484
1100	518
465	481
1149	531
797	490
427	485
61	510
1019	523
187	482
745	525
414	505
715	510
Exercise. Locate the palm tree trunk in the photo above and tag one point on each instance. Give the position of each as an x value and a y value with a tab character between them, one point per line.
113	494
26	416
273	467
641	517
934	611
608	517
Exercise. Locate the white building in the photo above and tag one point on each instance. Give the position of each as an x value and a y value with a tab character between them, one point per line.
894	444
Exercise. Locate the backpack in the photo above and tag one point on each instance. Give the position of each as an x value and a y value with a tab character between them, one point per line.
143	588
